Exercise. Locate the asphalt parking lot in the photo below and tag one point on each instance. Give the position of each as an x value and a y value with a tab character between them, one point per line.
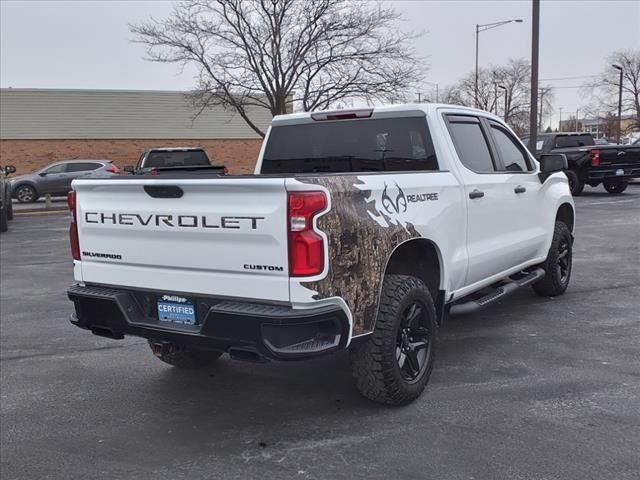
532	388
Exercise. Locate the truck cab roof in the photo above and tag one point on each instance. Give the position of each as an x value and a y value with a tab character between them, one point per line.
365	111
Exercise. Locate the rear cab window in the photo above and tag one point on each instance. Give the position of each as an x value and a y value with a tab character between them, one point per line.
357	145
573	141
168	158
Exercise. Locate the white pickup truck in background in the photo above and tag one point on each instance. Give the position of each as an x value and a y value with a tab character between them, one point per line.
361	229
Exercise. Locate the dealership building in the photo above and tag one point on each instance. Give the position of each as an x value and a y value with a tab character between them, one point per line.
41	126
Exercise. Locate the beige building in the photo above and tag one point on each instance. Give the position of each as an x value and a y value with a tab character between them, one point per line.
39	126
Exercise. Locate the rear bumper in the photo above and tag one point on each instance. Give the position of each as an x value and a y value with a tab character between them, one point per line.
612	173
271	331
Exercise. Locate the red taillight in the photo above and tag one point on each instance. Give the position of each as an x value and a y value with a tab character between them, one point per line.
306	247
113	168
73	226
595	158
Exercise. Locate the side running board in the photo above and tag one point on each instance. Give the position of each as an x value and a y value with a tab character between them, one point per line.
505	288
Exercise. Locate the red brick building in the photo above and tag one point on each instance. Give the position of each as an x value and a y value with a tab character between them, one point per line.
41	126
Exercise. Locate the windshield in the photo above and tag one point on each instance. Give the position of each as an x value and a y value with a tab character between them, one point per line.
388	144
176	159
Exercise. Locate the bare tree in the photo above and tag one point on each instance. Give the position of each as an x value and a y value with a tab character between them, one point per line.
515	78
604	91
271	53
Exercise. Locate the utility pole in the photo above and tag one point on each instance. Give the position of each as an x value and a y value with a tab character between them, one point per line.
577	110
618	67
505	102
535	40
560	121
476	86
543	92
419	97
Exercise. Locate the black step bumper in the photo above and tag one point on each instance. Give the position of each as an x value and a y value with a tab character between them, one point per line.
271	331
612	173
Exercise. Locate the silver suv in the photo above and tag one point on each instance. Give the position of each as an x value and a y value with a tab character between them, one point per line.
55	179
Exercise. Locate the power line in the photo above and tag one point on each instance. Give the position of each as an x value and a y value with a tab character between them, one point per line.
568	78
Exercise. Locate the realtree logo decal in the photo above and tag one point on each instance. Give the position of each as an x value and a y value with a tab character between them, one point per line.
399	204
391	205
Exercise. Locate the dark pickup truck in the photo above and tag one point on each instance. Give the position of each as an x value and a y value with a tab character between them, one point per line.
591	164
161	161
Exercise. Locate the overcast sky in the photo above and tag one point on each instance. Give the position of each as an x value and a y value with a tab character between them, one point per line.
87	44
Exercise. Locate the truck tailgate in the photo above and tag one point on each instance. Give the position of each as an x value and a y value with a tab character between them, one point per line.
619	155
223	237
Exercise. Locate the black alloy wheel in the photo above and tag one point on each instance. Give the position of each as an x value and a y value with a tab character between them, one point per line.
413	343
564	260
394	363
558	265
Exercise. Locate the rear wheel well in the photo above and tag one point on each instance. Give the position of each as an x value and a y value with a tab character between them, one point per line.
419	258
565	215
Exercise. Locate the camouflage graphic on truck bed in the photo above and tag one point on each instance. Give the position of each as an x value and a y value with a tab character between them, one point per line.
362	232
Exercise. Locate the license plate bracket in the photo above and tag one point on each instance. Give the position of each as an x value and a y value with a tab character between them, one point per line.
175	309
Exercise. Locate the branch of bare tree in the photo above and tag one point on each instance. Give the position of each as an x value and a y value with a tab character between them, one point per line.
271	53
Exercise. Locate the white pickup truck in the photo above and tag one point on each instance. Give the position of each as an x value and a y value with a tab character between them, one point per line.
360	230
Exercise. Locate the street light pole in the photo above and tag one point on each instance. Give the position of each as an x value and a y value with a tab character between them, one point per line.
434	84
618	67
482	28
533	114
505	102
476	85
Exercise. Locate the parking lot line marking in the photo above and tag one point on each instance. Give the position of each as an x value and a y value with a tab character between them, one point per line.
36	214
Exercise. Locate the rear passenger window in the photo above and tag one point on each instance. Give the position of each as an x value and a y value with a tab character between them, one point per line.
512	156
471	145
82	166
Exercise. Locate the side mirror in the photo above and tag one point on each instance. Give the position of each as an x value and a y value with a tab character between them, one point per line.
9	169
551	163
43	174
129	169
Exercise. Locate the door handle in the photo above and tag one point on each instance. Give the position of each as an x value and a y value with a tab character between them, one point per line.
519	189
476	194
